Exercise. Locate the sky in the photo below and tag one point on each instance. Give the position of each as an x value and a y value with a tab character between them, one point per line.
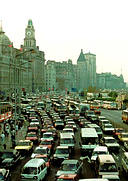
64	27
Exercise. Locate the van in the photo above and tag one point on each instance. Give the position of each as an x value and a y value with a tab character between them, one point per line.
89	140
105	165
97	128
124	161
34	169
67	139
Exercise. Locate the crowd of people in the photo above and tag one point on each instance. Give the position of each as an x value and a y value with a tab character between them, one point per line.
9	129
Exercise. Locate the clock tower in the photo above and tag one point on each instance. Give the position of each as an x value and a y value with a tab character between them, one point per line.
29	40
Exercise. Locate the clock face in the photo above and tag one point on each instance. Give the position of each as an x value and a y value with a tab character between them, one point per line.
29	33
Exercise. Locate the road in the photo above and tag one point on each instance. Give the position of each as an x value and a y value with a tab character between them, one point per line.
115	117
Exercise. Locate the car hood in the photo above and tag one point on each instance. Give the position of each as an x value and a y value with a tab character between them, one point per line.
22	147
61	155
61	172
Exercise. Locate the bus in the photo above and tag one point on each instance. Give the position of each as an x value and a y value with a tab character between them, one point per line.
125	116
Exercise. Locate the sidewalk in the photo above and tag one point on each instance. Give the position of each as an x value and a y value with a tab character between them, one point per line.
21	133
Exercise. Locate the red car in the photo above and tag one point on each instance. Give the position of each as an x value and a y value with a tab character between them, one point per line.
32	136
71	177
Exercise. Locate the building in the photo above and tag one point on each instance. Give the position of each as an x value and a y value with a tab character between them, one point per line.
36	65
21	70
86	73
50	76
110	81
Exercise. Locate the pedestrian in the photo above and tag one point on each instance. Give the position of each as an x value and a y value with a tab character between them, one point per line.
16	128
13	134
2	138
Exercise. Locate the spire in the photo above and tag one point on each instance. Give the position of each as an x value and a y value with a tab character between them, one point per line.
81	57
1	29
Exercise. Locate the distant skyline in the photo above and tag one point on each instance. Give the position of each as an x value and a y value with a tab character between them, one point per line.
64	27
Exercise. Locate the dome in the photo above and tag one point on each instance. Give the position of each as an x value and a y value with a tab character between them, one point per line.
4	39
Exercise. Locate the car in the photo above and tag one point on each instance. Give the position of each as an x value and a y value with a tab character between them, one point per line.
24	146
70	166
68	177
40	151
46	159
49	136
123	137
9	158
61	153
32	136
33	127
111	143
118	131
46	143
68	130
4	174
99	150
108	129
59	124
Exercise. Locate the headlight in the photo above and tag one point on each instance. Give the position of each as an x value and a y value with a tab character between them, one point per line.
35	177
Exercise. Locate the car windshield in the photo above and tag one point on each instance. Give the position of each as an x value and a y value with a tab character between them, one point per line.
47	135
99	153
62	151
67	167
110	141
24	144
31	135
108	126
66	141
45	143
125	136
40	151
7	155
109	167
30	170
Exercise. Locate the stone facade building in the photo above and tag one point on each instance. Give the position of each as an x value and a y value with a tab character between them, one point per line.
110	81
21	69
86	73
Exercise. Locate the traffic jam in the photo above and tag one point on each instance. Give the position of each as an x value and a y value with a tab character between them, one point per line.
66	140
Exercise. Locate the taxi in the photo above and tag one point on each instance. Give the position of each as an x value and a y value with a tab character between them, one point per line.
123	137
68	177
24	146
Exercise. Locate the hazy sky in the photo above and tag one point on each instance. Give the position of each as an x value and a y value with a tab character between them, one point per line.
64	27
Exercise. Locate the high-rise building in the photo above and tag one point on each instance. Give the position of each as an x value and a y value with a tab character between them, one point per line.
37	60
86	73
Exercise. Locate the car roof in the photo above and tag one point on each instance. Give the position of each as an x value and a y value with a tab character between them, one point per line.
70	161
106	159
34	162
